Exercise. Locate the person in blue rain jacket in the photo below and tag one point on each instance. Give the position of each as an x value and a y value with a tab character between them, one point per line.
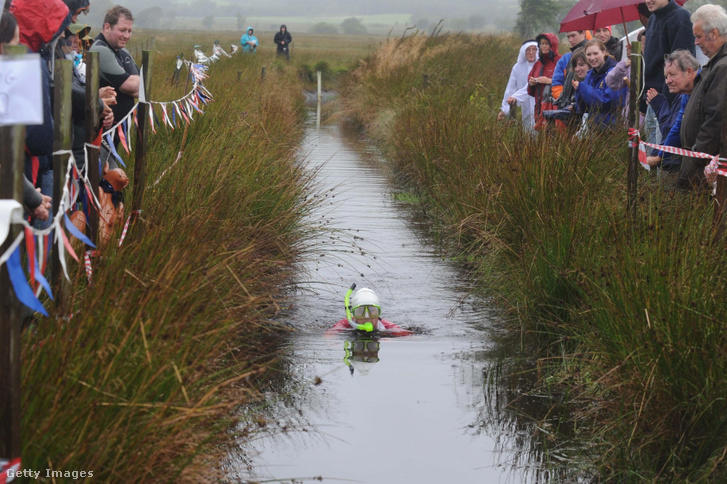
248	41
593	96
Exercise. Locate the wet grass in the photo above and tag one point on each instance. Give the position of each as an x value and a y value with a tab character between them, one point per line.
624	318
140	382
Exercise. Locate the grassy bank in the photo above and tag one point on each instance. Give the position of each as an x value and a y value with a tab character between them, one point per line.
139	383
626	319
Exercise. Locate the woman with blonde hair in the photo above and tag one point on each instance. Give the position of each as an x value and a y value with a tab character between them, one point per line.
593	96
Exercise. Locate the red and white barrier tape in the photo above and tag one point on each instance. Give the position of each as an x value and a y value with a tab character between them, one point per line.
126	226
714	165
8	470
87	262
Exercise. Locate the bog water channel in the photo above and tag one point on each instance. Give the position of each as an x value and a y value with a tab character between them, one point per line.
349	408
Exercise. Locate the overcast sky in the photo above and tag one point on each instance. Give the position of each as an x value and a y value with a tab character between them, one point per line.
499	14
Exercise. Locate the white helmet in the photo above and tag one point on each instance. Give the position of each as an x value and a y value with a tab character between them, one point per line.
364	297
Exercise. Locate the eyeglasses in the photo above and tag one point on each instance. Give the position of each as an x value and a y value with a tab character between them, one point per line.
371	311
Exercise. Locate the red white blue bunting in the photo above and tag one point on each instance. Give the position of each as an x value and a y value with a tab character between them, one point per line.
30	281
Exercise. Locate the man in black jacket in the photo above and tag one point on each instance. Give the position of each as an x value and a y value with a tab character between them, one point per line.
669	29
282	40
702	121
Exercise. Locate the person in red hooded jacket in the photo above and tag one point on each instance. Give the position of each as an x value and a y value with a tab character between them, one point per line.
40	23
541	75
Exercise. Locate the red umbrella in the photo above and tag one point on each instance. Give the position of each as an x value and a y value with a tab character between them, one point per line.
594	14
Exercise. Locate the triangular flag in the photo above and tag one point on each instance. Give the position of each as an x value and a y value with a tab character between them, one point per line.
165	116
151	119
127	126
67	244
77	233
142	92
122	136
30	250
97	141
23	291
112	149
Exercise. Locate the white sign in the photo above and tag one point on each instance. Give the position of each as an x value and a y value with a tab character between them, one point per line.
21	100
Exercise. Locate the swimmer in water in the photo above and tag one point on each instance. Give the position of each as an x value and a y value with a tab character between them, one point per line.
363	313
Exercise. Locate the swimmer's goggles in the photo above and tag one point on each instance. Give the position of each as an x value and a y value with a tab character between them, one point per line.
366	310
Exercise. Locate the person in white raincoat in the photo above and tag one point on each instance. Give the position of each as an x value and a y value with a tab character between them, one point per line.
516	91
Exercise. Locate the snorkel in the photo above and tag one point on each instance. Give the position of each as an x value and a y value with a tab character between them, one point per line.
368	327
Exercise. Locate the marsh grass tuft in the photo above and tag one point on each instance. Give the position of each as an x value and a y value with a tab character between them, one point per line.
139	382
626	320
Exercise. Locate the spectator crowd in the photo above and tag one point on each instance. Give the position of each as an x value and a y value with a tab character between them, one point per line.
587	88
51	29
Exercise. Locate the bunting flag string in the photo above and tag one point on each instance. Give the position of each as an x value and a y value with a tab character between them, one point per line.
113	128
38	242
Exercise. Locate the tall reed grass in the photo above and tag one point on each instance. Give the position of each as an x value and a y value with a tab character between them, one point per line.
138	384
626	318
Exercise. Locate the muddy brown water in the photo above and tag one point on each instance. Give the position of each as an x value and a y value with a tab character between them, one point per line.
347	408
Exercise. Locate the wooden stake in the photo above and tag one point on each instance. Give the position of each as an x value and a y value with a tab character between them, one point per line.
140	155
12	140
62	140
633	151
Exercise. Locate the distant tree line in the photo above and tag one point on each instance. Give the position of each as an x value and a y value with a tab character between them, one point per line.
537	16
349	26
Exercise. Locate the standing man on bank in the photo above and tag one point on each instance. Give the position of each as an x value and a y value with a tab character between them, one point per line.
701	127
669	29
117	67
282	40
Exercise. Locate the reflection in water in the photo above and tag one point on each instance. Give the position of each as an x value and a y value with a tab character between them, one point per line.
426	408
364	349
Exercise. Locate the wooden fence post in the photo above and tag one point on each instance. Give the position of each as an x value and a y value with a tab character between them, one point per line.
62	140
318	100
633	151
12	140
140	155
92	127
